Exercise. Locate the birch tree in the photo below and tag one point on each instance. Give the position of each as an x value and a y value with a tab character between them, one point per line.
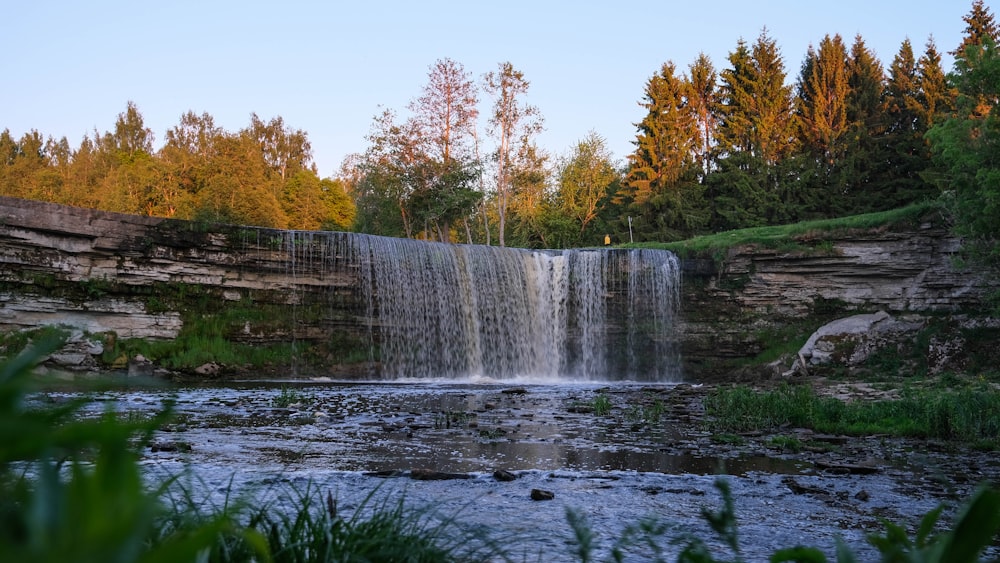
512	123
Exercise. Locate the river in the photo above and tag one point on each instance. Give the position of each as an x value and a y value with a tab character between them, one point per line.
641	454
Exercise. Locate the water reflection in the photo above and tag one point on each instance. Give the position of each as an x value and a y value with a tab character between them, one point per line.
451	427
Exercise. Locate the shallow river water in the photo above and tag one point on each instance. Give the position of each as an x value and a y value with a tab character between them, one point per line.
646	456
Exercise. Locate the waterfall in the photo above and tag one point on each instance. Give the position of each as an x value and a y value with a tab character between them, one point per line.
466	311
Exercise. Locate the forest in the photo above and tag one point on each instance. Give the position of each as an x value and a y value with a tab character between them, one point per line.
750	144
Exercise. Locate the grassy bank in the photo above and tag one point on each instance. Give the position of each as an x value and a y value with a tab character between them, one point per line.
807	235
970	414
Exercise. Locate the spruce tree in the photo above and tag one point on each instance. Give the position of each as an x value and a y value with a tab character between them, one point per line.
864	149
665	163
901	182
936	98
979	25
821	107
823	101
704	103
755	134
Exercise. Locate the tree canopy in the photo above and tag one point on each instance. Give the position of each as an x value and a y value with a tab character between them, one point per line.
739	145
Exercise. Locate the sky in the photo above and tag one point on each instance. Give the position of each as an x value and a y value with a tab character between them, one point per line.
327	68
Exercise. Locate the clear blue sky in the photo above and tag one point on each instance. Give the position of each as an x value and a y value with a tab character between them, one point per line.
327	67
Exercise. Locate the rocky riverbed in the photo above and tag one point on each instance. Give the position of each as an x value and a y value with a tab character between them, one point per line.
509	459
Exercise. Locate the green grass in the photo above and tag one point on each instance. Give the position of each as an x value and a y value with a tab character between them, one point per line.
970	415
601	405
807	235
289	396
650	413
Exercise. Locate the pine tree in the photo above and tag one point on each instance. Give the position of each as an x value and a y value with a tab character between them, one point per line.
981	34
775	122
936	98
736	107
906	157
704	102
668	139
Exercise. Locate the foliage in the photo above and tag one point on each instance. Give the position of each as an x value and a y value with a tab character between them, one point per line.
587	181
261	175
289	396
970	415
71	490
740	147
601	405
514	124
804	231
967	144
975	525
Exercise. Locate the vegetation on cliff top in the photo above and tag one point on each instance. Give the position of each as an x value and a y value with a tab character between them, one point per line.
804	235
748	144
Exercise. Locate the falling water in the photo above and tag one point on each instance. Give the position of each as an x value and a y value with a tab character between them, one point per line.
461	311
445	311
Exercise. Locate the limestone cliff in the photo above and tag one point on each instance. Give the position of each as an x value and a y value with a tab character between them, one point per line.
141	277
739	304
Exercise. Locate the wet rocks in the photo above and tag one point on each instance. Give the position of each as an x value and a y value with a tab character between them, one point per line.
434	475
140	366
169	446
504	476
866	467
208	369
419	474
78	353
542	494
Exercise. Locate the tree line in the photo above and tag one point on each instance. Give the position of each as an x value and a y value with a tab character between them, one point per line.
747	145
261	175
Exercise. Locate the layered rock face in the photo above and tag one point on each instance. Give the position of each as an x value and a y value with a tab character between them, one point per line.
132	275
136	276
897	271
735	305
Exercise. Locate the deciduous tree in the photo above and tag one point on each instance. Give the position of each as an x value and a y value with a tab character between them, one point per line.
586	178
513	124
967	146
442	172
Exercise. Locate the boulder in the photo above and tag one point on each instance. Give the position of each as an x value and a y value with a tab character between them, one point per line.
542	494
850	341
210	368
